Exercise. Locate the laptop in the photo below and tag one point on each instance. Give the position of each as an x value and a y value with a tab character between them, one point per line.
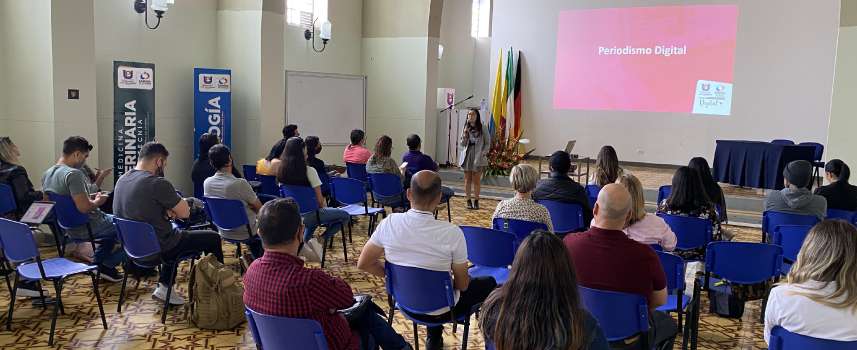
37	212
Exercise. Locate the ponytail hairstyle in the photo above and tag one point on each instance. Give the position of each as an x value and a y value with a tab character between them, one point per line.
839	169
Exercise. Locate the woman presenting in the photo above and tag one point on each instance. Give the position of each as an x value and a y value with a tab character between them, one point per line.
474	145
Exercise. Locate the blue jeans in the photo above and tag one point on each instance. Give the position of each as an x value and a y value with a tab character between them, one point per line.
374	331
332	217
105	234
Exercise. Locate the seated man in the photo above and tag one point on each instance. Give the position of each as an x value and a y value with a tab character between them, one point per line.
796	197
559	187
638	271
65	178
278	284
418	161
356	152
225	185
143	194
415	238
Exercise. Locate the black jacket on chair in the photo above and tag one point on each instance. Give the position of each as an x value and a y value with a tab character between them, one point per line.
840	195
561	188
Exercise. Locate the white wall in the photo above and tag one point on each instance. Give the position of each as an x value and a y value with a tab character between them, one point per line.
843	116
455	69
185	39
783	81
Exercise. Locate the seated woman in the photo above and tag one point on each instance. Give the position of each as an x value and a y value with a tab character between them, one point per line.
819	296
839	193
644	227
542	282
14	175
294	171
688	198
382	163
715	193
522	207
607	169
270	165
313	148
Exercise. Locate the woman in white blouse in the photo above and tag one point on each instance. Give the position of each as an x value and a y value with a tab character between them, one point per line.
819	296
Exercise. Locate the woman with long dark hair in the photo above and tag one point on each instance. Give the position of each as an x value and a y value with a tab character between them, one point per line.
838	192
607	169
473	156
294	171
202	168
688	198
715	193
539	306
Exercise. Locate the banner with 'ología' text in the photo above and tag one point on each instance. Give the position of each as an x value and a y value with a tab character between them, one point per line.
133	112
212	105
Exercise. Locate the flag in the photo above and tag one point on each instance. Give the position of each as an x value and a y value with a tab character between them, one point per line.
505	97
497	98
510	91
516	99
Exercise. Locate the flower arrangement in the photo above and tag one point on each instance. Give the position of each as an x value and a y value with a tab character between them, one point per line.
502	156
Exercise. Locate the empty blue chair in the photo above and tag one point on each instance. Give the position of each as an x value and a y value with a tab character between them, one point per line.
69	217
677	301
490	251
620	315
250	172
565	217
274	332
850	216
7	200
305	197
387	190
229	214
20	248
592	193
690	232
143	249
520	228
352	193
782	339
269	185
772	219
783	142
419	291
742	263
790	237
664	193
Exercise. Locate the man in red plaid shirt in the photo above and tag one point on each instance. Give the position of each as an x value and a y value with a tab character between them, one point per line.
278	284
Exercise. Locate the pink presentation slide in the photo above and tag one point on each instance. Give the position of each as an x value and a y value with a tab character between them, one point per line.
652	59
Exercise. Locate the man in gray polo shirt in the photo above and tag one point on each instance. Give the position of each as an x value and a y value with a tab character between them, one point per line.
224	185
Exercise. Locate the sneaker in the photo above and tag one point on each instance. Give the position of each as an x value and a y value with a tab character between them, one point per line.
109	274
160	293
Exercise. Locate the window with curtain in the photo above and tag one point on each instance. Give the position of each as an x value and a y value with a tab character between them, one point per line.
480	22
301	13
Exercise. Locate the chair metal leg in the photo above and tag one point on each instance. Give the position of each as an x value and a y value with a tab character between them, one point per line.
416	338
98	298
42	296
449	210
344	247
122	290
392	305
57	232
464	337
57	304
323	251
12	304
172	282
238	250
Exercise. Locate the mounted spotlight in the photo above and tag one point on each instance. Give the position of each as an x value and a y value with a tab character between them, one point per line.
160	7
324	33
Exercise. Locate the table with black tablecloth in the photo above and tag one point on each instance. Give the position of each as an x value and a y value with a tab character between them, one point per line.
755	164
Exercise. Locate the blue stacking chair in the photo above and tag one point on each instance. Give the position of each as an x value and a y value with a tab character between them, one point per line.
7	200
782	339
419	291
664	193
269	185
490	251
352	193
677	301
325	183
690	232
69	217
565	217
20	248
274	332
387	190
620	315
592	193
357	171
790	237
229	214
143	249
520	228
304	196
772	219
817	164
742	263
850	216
250	172
783	142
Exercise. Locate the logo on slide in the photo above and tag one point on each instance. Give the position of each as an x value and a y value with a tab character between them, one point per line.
706	86
717	102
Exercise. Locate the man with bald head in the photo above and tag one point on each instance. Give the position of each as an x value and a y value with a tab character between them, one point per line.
606	259
415	238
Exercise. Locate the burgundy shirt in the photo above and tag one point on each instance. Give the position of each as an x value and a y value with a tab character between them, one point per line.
609	260
278	284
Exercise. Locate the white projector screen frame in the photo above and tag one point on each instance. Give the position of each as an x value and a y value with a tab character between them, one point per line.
326	105
783	81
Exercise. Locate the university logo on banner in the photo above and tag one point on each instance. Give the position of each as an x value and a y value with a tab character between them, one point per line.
135	78
214	82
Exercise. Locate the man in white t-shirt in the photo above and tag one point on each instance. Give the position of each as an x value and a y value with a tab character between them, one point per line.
416	239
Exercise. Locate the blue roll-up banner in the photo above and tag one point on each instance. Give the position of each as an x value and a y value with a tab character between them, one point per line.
212	105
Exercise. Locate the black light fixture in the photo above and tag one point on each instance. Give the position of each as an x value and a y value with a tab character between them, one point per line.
160	7
324	33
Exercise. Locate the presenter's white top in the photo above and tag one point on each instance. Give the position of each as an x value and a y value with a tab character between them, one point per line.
416	239
801	315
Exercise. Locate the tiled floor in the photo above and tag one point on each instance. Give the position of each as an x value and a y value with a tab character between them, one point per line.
139	327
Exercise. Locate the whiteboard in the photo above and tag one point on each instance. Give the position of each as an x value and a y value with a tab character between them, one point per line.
326	105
